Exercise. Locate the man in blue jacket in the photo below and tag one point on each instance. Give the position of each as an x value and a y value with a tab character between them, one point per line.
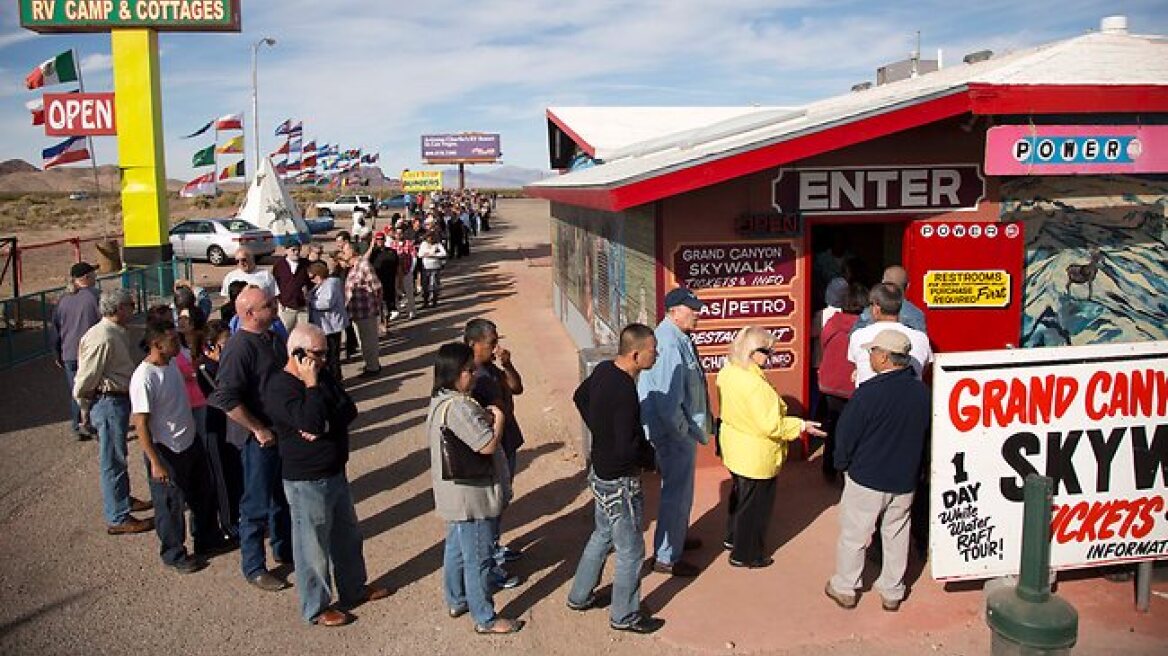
675	411
880	439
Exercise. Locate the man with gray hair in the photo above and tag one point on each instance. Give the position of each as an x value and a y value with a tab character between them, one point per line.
106	359
884	303
880	440
909	314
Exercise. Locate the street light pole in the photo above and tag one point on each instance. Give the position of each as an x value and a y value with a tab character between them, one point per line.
255	99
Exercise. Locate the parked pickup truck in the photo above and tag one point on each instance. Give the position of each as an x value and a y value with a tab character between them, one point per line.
346	205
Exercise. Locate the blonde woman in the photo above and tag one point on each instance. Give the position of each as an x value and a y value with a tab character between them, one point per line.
754	435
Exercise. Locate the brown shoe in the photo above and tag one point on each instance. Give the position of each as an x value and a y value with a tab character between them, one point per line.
131	525
370	593
138	505
332	617
845	601
680	568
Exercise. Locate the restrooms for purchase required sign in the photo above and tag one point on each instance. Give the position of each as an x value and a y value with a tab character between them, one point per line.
1093	418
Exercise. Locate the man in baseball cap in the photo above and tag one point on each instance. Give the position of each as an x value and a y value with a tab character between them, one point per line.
675	411
76	312
880	440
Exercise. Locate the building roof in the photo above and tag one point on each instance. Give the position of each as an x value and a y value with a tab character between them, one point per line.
1105	72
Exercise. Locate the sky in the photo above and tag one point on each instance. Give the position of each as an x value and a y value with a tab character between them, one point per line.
378	75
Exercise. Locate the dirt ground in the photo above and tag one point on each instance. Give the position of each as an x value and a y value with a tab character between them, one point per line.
68	588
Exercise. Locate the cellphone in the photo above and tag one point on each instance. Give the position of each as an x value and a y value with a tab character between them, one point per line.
299	354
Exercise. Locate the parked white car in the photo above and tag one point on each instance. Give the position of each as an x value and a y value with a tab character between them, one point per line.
346	204
216	240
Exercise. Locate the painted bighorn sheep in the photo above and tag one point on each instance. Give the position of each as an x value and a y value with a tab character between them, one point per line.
1080	274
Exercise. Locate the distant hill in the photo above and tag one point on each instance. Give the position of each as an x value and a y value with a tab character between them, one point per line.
501	177
19	177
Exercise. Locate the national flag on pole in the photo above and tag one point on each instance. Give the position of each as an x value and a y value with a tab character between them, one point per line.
309	161
282	167
283	127
205	157
229	122
204	185
234	145
296	129
234	171
70	150
282	150
53	71
294	144
310	147
37	107
199	131
370	159
294	165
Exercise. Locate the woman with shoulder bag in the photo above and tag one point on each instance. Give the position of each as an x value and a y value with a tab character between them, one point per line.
467	505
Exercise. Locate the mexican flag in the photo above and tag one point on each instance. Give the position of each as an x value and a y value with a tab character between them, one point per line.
53	71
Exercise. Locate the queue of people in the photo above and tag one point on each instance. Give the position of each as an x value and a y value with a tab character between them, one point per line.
244	420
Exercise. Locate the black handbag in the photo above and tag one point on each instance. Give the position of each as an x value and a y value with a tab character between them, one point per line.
459	461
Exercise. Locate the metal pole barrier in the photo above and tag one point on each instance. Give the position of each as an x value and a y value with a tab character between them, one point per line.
1028	619
1144	586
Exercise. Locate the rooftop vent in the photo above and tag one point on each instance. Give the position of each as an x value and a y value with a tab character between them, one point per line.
862	86
979	56
1113	25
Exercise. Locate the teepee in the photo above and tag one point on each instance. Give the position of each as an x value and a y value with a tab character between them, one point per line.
269	206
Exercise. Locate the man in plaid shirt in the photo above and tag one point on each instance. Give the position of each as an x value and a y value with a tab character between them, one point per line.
407	252
363	300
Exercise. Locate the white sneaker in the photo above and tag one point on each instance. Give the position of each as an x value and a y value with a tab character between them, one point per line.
394	315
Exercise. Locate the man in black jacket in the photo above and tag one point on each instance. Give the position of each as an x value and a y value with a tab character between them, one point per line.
310	415
248	361
879	443
608	402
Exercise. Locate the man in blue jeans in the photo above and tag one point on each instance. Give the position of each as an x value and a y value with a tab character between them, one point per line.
675	413
608	402
106	358
77	311
251	357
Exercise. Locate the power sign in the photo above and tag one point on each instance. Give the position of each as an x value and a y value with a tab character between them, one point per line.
79	114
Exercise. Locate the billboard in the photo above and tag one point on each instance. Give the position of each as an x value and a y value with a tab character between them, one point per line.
1076	149
1093	418
465	147
420	181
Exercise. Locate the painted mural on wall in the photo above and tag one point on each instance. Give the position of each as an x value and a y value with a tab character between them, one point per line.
605	267
1096	258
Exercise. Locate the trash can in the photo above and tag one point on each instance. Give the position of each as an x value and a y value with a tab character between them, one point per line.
589	358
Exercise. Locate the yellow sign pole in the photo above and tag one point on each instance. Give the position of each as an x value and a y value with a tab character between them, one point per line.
137	85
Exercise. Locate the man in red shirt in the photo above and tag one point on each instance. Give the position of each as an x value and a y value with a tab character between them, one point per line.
291	274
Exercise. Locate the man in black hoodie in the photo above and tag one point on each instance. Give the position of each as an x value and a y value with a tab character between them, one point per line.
880	439
310	414
609	404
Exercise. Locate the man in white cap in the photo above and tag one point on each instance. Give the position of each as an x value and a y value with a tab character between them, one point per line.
675	411
880	440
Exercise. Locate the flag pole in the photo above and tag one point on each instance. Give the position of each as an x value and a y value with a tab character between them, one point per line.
215	163
92	154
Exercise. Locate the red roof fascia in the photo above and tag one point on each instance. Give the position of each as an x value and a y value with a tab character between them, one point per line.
841	136
596	198
989	99
584	145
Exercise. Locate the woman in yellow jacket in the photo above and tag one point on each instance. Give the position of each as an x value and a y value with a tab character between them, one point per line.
754	435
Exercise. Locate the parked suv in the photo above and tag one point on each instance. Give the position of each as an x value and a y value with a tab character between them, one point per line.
346	204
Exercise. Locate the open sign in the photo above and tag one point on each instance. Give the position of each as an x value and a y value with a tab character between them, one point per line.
79	114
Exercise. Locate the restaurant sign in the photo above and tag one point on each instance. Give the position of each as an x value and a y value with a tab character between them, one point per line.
104	15
878	190
1076	149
